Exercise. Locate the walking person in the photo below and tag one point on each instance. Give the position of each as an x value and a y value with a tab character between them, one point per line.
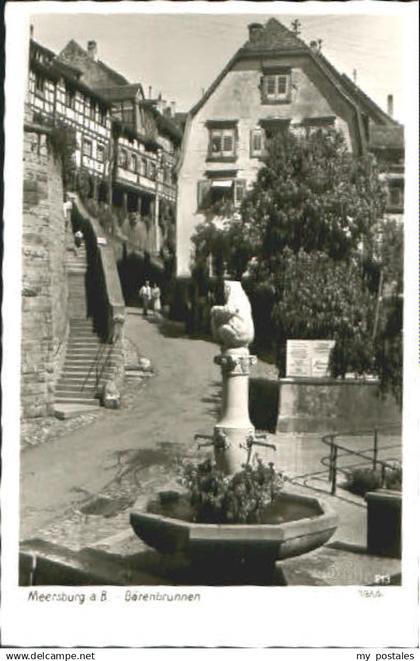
145	294
156	304
78	238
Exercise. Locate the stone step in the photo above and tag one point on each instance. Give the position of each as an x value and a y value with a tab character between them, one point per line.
81	324
86	346
80	371
82	375
80	384
77	400
82	332
92	348
82	394
92	356
64	410
87	363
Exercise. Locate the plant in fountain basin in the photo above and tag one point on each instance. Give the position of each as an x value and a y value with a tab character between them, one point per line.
239	498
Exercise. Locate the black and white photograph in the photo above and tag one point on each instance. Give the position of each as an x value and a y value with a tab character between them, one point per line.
210	373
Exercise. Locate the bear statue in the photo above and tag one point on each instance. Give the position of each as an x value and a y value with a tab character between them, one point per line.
231	324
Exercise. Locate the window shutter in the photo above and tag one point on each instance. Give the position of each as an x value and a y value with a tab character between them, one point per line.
256	142
240	189
203	190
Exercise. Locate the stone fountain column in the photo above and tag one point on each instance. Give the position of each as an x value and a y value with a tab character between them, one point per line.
233	328
234	427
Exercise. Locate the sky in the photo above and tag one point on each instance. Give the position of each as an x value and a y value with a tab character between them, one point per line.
180	55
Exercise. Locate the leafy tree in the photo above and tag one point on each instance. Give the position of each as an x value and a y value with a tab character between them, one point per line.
389	314
311	224
318	297
312	195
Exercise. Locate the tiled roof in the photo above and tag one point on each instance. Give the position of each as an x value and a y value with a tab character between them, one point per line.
35	45
386	137
165	124
120	92
274	36
67	69
117	78
273	39
363	99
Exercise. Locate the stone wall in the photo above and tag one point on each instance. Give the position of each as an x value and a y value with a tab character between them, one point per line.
44	286
311	405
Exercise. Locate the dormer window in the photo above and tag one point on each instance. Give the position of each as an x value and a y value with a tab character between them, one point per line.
276	86
222	140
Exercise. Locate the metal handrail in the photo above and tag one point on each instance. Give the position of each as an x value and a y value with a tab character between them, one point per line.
104	364
337	450
93	365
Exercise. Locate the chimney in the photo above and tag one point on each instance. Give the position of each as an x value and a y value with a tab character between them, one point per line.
313	44
150	91
92	49
173	108
390	105
31	31
255	31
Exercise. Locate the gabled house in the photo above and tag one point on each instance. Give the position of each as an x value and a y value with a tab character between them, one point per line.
57	93
127	147
275	82
146	143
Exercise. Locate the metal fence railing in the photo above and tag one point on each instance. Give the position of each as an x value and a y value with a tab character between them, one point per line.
338	444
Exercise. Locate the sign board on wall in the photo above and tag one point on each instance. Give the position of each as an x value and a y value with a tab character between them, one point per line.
308	358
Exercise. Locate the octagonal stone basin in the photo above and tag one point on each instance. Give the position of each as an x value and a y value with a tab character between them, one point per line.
292	525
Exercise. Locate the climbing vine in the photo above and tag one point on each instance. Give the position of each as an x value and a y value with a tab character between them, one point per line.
63	144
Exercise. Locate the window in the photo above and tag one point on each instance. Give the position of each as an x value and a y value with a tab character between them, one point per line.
276	87
222	143
257	143
318	124
70	99
87	147
133	162
152	170
100	153
92	110
127	113
39	84
143	167
102	116
395	196
221	194
274	129
239	191
122	158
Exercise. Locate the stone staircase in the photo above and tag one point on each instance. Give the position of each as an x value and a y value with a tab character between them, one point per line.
88	362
